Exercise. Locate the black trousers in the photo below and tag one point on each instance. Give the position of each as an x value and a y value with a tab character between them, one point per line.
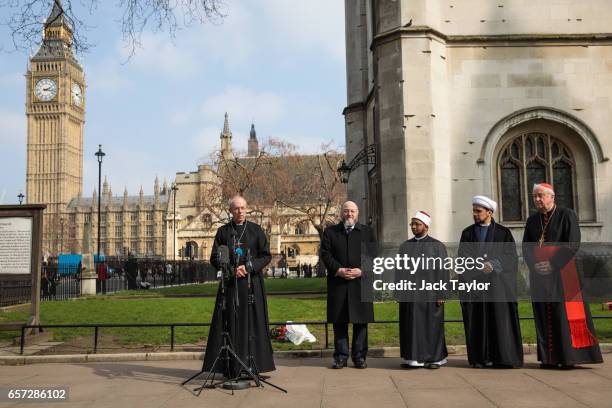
359	344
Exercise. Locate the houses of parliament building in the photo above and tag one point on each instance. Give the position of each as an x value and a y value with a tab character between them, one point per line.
143	225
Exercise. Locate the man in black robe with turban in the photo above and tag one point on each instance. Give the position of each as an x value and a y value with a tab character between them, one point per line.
421	314
490	318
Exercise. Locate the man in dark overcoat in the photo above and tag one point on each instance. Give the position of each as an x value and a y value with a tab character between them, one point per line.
343	247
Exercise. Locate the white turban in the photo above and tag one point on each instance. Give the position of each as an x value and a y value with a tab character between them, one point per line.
485	202
423	217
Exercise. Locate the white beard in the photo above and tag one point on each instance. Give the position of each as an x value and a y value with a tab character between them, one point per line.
349	223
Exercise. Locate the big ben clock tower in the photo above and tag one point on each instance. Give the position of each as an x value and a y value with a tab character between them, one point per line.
55	110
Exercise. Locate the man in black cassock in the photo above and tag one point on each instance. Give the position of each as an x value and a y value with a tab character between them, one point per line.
564	326
243	238
342	247
490	318
421	315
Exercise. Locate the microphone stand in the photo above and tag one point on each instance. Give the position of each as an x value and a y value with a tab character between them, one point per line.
253	370
226	351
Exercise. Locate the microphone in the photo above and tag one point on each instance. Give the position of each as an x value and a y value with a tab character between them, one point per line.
232	236
223	258
249	262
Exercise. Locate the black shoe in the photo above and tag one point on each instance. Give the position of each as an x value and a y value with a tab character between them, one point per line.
432	366
338	364
504	366
566	367
477	365
360	363
548	366
408	366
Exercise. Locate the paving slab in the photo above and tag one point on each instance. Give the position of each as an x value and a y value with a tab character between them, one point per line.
312	384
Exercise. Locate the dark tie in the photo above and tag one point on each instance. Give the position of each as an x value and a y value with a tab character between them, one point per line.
348	230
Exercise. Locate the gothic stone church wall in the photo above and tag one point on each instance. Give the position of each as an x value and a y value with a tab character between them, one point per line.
442	87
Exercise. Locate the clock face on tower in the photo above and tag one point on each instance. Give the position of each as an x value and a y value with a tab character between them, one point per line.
45	89
77	94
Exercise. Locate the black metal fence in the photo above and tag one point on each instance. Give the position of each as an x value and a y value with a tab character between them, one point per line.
97	326
15	291
116	273
59	282
62	282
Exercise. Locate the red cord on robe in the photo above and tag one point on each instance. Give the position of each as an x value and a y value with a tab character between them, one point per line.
574	305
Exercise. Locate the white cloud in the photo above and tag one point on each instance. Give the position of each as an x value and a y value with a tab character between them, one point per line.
180	117
244	105
160	54
278	28
124	168
314	24
206	142
233	42
108	76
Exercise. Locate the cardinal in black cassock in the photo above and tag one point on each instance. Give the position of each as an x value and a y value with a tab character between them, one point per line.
245	240
564	326
421	314
490	318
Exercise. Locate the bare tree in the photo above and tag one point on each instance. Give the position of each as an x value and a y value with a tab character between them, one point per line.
309	185
27	19
280	183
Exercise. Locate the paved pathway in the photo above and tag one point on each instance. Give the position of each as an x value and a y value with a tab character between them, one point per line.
312	384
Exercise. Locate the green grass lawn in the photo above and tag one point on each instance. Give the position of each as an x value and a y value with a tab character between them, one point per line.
199	310
273	286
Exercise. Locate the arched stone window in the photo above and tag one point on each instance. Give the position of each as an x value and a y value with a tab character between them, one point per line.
542	143
533	158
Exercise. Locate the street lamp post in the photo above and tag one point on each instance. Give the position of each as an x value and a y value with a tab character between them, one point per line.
174	189
20	197
100	156
365	156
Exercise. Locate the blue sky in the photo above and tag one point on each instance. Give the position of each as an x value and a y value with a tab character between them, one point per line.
278	63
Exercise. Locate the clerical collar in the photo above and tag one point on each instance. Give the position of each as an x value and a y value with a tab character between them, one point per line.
552	210
484	225
420	238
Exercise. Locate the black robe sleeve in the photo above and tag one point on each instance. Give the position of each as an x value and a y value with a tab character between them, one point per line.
467	250
214	253
509	257
331	264
570	232
528	244
262	256
442	274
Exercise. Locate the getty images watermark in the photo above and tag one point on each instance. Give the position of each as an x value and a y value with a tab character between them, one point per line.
406	264
484	271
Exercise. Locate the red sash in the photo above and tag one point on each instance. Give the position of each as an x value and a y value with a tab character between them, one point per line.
574	305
